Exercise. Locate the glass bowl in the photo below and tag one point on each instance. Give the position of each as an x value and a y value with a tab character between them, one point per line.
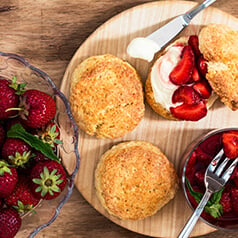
193	165
47	210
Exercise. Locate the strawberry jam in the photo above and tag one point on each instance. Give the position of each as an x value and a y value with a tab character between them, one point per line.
222	208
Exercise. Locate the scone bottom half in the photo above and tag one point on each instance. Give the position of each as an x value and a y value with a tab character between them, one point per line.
134	180
106	96
185	80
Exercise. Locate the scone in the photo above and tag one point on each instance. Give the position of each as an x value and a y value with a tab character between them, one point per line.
186	78
219	44
106	96
134	180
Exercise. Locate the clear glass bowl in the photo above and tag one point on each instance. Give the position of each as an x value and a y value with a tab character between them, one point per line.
211	143
47	211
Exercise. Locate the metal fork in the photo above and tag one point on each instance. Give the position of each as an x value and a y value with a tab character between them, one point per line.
215	179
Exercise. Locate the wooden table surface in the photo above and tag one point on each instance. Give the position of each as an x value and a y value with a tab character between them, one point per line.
47	33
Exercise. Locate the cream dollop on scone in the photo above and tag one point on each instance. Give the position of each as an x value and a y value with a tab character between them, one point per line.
106	96
219	44
176	87
134	180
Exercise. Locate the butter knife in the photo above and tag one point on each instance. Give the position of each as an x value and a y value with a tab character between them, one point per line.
146	47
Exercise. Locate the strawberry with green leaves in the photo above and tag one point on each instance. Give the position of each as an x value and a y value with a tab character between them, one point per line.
9	97
48	179
22	198
10	222
36	108
8	179
16	151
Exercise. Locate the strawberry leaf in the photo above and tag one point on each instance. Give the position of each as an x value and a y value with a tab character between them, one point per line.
213	207
17	131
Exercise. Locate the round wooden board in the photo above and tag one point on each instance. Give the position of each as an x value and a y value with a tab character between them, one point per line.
171	136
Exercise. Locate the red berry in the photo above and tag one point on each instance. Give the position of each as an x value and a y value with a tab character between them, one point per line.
195	75
190	112
230	144
203	88
234	199
16	151
225	201
182	72
193	42
10	222
202	65
22	198
48	179
186	95
8	99
8	179
2	135
38	108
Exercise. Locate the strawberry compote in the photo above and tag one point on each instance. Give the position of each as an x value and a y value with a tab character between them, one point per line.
222	209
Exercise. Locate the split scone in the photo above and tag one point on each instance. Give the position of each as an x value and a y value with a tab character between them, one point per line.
106	96
134	180
190	73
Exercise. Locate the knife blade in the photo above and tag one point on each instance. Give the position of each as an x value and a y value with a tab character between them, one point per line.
146	47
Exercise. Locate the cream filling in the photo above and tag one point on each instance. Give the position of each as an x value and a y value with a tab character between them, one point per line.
162	87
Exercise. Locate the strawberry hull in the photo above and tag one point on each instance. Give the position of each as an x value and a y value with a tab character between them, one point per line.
195	162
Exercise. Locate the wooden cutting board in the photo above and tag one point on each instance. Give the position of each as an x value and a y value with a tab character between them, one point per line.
171	136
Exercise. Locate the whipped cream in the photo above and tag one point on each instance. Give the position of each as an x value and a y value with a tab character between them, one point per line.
162	87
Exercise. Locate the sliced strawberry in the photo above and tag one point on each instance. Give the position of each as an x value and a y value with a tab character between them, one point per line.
230	144
182	72
202	65
186	95
203	88
190	112
195	75
193	42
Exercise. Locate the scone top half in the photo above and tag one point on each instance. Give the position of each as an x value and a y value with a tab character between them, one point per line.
106	96
186	78
134	180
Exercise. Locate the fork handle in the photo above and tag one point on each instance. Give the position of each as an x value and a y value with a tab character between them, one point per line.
196	214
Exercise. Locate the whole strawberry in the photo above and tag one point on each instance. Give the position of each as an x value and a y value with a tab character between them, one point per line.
10	222
22	198
8	179
48	179
16	151
2	135
38	108
50	134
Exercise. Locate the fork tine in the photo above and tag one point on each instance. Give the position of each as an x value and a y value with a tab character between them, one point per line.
212	166
229	171
221	166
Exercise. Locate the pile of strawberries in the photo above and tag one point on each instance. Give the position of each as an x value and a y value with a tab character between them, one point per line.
189	74
29	167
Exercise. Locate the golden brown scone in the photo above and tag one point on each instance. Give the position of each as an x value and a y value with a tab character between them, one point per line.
218	44
134	180
106	96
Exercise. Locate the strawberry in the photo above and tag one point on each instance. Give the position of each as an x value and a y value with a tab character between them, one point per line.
193	42
234	199
1	203
195	75
230	144
8	99
203	157
203	88
2	135
8	179
225	201
182	72
186	95
37	108
48	179
50	134
16	151
10	222
12	121
190	112
22	198
202	65
199	175
234	176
